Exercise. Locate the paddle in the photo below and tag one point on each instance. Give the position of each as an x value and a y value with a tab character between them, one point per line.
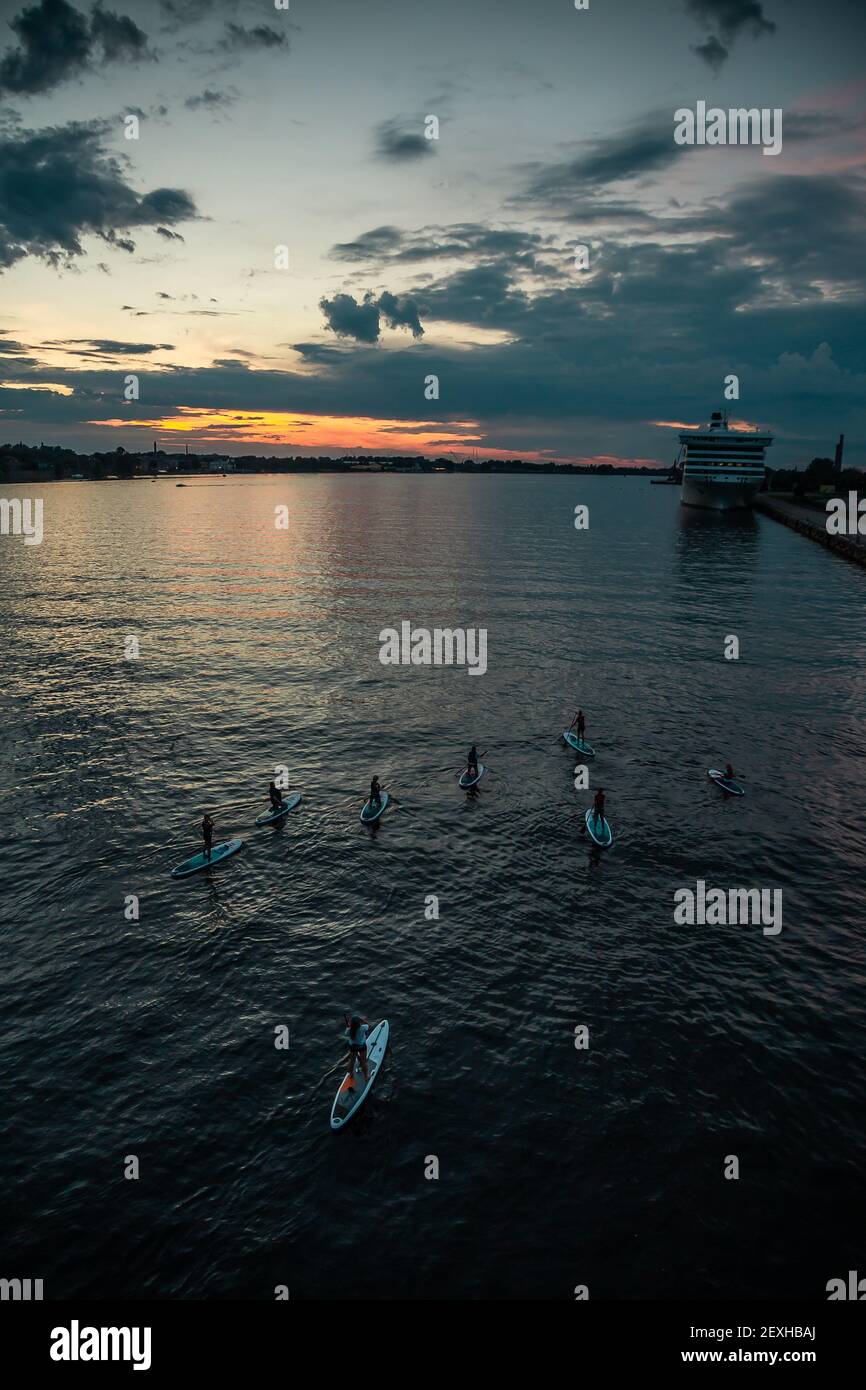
344	1061
455	767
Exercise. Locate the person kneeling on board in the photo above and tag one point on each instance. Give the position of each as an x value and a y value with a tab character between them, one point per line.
207	829
472	762
357	1029
276	797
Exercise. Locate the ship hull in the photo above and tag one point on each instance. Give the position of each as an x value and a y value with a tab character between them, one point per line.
719	497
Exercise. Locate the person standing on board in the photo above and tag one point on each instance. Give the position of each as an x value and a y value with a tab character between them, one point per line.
729	772
207	829
357	1031
472	762
276	797
375	794
598	807
581	724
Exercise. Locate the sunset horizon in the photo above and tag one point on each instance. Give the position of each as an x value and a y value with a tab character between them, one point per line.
513	262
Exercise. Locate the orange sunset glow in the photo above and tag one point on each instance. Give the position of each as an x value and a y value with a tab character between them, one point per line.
213	427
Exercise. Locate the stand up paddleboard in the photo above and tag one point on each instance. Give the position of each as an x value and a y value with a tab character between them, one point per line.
578	744
725	782
200	861
466	780
351	1097
600	834
288	805
370	813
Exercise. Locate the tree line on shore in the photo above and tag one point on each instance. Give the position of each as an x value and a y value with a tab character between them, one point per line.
58	462
820	473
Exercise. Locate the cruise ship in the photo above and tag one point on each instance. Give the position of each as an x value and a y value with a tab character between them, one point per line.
722	468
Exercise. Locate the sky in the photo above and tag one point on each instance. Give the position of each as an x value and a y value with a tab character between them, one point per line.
328	203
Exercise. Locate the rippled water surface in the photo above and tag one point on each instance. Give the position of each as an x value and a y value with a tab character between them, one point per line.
260	646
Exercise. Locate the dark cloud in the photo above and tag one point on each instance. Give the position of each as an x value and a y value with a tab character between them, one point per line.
804	231
56	43
730	18
180	12
379	244
484	296
399	311
165	205
317	354
579	187
349	318
644	148
168	235
398	145
460	241
120	38
712	51
17	354
110	347
211	100
60	184
238	39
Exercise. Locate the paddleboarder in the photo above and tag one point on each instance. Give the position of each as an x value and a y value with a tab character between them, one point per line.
375	794
581	724
598	807
729	772
276	796
208	826
472	762
357	1031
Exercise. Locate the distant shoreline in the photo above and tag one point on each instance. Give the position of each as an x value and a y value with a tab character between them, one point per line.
333	468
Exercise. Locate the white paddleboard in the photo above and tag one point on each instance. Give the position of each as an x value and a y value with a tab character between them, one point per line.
466	780
354	1090
600	834
368	814
289	804
725	783
198	861
578	744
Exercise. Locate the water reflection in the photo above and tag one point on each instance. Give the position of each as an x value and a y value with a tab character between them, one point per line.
716	553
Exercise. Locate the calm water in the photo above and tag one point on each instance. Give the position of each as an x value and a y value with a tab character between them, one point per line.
259	647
